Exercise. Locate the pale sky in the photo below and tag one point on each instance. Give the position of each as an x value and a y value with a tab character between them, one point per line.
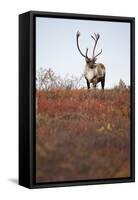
56	47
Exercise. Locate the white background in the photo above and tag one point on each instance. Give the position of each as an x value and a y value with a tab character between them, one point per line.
9	11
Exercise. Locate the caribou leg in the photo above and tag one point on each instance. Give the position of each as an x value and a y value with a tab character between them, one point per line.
88	84
103	83
94	86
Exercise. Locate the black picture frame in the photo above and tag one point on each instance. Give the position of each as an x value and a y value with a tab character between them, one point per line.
27	87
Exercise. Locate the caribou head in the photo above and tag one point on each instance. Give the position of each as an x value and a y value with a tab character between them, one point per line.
94	72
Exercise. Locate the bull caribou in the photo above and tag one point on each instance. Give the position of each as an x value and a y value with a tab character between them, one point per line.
94	72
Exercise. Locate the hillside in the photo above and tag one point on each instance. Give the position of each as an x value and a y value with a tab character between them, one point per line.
82	134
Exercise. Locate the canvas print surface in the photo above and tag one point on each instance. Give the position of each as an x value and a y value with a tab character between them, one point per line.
82	100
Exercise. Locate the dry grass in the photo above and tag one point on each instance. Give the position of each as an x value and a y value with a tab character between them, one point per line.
82	134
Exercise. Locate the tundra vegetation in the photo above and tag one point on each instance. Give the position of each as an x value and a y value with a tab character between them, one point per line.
81	134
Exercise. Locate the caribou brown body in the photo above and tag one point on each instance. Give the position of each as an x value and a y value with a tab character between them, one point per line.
93	72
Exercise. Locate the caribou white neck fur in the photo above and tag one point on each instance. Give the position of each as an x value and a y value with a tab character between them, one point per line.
90	73
93	72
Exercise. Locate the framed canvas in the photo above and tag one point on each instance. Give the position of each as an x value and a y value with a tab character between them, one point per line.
76	99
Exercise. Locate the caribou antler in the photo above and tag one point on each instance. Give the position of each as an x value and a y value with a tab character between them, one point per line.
77	39
95	38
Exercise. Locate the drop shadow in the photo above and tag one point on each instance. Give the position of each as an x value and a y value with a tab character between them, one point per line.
13	180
